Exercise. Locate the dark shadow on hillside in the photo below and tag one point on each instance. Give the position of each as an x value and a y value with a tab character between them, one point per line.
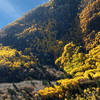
36	73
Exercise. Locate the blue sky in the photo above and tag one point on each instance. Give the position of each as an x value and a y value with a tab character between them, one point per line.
10	10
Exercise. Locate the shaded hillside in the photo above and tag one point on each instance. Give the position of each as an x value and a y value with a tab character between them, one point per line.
44	30
15	67
82	67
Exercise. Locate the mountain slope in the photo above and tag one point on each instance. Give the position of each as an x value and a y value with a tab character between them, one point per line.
90	24
43	29
61	34
83	68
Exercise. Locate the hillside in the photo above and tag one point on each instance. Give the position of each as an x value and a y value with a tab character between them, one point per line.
38	30
58	41
89	23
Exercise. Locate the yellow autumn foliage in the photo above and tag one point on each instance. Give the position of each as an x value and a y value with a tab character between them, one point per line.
81	66
13	58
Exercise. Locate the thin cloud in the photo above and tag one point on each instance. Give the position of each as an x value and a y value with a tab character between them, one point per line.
8	8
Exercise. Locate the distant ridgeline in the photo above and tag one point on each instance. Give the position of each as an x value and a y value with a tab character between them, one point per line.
64	34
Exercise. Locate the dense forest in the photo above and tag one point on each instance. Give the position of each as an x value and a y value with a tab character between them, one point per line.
63	35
